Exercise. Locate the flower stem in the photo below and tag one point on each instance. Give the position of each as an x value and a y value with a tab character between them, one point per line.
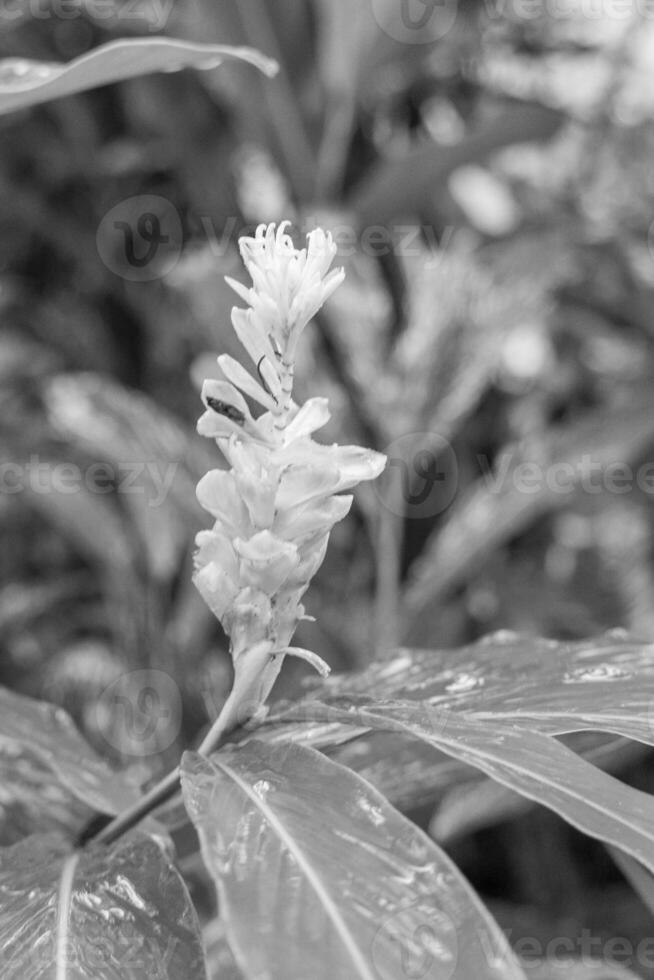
160	793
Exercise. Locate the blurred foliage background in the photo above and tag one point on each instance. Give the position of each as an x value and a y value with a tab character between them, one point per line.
488	174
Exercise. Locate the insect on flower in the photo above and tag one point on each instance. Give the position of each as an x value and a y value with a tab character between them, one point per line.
222	408
274	508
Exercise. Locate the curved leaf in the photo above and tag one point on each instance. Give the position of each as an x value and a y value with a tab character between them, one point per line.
533	764
479	802
120	914
50	734
313	866
25	83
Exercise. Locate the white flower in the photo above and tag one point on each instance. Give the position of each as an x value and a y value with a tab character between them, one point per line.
275	507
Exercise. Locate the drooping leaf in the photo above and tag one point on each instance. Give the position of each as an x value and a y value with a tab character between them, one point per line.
119	914
314	863
479	802
25	83
533	764
49	733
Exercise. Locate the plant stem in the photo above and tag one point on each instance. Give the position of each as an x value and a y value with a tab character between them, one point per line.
125	821
163	791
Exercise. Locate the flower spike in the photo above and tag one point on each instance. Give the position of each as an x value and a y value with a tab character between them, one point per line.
275	507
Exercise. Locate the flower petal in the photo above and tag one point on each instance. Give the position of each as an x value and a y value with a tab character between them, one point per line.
310	417
217	492
300	483
247	620
252	335
299	522
266	561
242	379
216	587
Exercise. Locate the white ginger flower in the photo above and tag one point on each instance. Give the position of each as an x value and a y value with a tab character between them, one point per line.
275	507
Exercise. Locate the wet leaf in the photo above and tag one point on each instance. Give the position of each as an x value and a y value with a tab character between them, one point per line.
603	684
49	733
318	866
478	803
25	83
531	763
33	799
120	914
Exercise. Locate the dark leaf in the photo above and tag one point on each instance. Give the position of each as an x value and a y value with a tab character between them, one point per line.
496	508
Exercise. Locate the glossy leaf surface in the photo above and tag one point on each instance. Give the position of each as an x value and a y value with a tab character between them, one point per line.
33	799
314	867
604	684
119	914
533	764
25	83
49	733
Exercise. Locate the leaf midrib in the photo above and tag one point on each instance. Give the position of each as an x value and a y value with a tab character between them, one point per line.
64	902
310	873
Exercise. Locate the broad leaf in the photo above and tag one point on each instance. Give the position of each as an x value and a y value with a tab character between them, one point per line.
25	83
316	871
605	684
479	802
48	732
33	799
533	764
120	914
